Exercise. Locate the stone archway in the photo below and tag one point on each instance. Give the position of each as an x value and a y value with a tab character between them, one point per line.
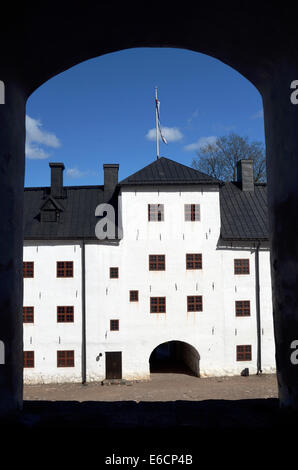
175	356
40	41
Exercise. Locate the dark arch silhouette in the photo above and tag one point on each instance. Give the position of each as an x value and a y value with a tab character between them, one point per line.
258	39
175	356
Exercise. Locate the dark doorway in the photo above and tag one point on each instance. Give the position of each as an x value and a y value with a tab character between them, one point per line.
175	357
114	365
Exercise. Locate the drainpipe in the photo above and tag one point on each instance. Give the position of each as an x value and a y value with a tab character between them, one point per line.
259	355
83	315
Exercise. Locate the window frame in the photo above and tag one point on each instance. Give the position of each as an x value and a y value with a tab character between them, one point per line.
159	215
65	358
62	272
241	268
157	263
114	322
193	261
244	353
28	363
160	304
26	271
197	304
27	314
114	277
131	294
191	214
242	308
64	314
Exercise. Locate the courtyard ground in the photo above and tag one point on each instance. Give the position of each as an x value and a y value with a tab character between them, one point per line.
162	387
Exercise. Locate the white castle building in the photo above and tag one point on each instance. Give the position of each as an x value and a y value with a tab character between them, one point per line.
186	277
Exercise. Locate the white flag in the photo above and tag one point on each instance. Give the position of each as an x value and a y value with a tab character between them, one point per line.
157	103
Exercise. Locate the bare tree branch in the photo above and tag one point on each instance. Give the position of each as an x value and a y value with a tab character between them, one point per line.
220	159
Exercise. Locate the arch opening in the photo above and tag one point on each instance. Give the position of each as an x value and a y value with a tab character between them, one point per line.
175	357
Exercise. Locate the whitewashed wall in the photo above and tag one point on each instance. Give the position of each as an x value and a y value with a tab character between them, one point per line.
214	332
45	292
243	330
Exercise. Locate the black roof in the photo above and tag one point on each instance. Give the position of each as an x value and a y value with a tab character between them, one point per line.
76	219
166	171
243	213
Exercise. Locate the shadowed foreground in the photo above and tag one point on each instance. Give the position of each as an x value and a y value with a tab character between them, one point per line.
100	429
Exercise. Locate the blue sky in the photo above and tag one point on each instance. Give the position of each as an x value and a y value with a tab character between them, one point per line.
102	111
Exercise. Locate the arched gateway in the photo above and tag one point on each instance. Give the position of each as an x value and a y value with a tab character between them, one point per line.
265	54
175	356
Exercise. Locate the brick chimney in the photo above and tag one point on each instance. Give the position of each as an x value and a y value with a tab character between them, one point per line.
57	179
110	179
245	174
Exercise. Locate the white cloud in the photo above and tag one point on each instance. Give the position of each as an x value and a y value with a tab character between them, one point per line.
258	115
36	137
75	173
172	134
201	142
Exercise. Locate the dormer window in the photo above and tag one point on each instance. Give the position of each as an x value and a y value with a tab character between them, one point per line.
49	216
50	210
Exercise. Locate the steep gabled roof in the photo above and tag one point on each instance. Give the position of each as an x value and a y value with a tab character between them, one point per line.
166	171
244	214
77	220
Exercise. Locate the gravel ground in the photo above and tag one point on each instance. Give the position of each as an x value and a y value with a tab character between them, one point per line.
162	387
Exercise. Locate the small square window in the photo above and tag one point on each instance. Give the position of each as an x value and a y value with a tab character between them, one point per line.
242	308
64	268
192	212
155	212
28	359
194	303
65	314
114	273
241	266
244	352
134	295
65	358
194	261
114	325
28	314
157	262
157	305
28	268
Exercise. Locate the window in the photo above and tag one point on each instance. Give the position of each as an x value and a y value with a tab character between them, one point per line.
114	325
157	262
28	358
242	308
157	305
241	266
28	268
194	303
244	353
192	212
194	261
156	212
65	358
64	268
65	314
114	273
134	295
28	314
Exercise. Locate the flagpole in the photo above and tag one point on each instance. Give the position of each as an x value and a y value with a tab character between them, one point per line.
156	121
